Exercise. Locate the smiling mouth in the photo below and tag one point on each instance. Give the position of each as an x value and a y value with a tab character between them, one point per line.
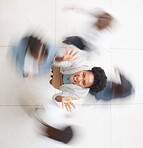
74	78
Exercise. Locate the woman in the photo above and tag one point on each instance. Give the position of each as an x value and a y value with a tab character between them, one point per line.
77	78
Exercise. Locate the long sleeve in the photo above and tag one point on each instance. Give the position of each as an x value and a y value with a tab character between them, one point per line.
70	67
75	66
71	90
62	63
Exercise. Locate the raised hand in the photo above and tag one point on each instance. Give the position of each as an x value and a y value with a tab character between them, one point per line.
69	56
66	101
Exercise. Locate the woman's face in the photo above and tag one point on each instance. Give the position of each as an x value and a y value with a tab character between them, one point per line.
82	78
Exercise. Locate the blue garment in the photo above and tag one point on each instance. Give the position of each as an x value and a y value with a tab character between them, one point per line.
132	90
105	94
66	80
19	52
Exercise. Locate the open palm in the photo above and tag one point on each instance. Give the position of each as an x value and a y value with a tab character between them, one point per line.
70	56
67	102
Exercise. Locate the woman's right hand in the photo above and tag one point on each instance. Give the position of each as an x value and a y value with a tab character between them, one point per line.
66	101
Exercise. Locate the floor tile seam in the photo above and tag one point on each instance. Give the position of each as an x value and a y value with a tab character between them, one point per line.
55	21
108	104
114	104
17	105
136	49
111	48
126	48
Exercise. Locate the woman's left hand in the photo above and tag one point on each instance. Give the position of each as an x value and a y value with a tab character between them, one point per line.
67	56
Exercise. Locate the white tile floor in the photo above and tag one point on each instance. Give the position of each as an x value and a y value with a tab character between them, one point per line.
118	123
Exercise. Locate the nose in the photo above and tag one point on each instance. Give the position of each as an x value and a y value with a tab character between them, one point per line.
79	78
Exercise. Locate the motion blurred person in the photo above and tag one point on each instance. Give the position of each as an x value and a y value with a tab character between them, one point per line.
75	78
51	122
90	39
115	90
62	135
33	57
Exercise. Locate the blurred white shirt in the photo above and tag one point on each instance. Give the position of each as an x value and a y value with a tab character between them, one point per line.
30	64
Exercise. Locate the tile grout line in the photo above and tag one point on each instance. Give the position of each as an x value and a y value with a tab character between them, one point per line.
110	125
111	48
125	48
17	105
55	21
110	73
114	104
103	48
83	105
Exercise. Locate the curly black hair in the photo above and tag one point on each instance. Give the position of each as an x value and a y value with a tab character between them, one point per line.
100	79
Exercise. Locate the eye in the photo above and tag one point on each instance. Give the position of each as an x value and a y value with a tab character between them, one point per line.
84	74
83	83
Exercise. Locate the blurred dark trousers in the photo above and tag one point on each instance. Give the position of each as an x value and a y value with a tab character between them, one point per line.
76	41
